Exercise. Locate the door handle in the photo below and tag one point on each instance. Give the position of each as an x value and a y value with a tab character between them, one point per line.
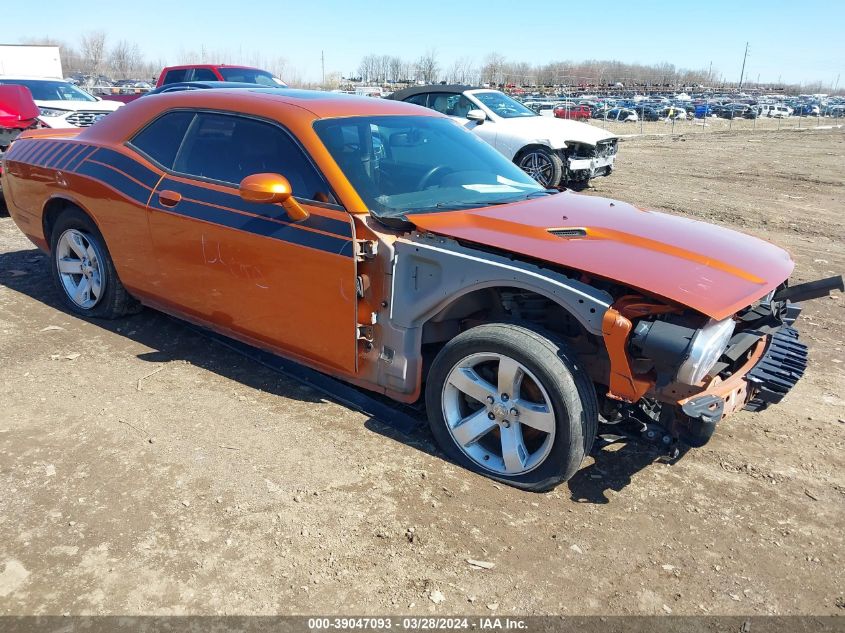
169	198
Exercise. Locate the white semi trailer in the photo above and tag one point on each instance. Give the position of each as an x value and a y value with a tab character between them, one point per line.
30	61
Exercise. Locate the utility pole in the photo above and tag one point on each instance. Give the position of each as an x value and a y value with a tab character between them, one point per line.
742	73
323	65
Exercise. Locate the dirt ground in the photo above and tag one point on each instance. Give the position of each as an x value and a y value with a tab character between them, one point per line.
146	470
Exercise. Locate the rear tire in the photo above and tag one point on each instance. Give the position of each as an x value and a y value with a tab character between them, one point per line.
512	403
83	270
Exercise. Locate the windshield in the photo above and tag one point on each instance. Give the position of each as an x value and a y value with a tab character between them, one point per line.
421	164
251	76
503	105
46	90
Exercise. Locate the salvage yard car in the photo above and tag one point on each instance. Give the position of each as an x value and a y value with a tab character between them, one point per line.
383	244
553	151
61	104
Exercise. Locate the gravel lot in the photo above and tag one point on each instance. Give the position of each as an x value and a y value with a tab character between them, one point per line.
145	470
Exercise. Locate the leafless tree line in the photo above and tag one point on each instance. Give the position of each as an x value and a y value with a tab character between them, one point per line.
94	56
382	69
495	69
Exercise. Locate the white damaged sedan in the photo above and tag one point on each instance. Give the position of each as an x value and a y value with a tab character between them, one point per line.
555	152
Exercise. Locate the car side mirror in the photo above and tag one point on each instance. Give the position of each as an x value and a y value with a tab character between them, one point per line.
477	115
272	189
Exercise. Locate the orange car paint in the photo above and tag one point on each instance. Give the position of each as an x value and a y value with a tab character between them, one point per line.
711	269
302	301
616	328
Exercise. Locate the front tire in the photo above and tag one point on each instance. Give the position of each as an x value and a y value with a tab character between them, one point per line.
512	403
542	164
83	270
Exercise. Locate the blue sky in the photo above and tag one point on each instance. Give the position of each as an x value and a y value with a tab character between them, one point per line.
797	41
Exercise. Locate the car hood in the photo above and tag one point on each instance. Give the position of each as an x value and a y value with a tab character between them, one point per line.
711	269
556	131
76	106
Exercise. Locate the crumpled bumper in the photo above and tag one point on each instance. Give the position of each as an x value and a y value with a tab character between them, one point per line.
775	365
778	371
592	166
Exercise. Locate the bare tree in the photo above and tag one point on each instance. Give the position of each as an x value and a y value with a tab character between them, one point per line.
92	47
125	60
368	68
491	71
428	70
462	72
396	69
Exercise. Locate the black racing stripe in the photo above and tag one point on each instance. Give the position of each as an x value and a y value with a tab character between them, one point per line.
258	226
129	166
276	212
117	181
78	148
37	155
28	150
73	165
63	151
48	156
15	150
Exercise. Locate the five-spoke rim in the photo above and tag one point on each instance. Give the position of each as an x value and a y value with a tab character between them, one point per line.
498	413
80	268
538	166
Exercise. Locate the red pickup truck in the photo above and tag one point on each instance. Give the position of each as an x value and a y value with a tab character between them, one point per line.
578	113
218	72
206	72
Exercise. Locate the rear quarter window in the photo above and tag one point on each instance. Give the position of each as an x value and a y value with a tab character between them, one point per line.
161	139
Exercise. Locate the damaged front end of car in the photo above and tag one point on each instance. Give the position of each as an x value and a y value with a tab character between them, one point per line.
584	161
675	375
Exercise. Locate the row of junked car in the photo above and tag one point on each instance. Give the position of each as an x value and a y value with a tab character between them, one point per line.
382	243
631	110
556	153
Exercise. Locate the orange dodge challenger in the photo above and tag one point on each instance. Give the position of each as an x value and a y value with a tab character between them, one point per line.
383	244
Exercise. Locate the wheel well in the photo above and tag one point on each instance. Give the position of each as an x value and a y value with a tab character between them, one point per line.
505	304
533	146
52	210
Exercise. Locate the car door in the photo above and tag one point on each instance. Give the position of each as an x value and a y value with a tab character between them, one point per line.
247	268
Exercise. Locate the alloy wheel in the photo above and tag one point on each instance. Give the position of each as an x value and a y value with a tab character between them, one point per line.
80	267
539	167
498	413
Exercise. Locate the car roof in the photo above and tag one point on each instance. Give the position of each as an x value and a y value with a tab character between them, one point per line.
301	107
180	66
401	95
198	85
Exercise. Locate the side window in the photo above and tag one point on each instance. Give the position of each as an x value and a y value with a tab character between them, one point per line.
442	102
160	140
173	76
203	74
418	99
229	148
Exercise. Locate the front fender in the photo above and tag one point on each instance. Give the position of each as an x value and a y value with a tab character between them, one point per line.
430	272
